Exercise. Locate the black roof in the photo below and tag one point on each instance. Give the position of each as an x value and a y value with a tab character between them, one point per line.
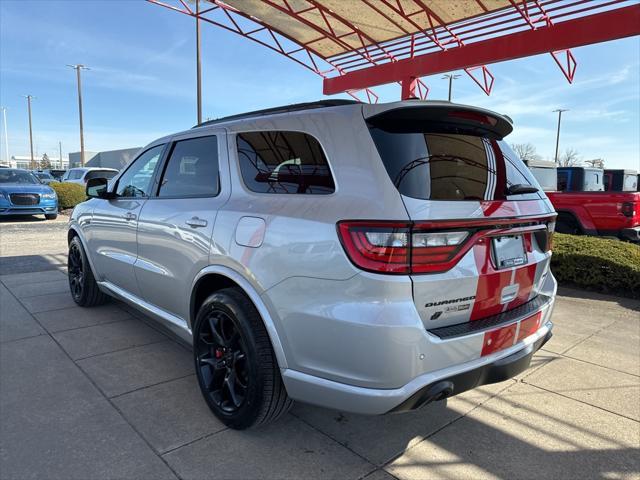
284	109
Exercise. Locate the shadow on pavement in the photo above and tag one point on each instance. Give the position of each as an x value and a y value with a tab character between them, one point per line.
32	263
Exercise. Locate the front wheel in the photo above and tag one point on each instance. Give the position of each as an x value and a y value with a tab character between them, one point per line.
83	286
236	368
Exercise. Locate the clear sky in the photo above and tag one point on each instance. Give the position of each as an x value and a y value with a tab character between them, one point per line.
142	82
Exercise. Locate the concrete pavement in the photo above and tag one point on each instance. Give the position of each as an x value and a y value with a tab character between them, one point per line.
103	393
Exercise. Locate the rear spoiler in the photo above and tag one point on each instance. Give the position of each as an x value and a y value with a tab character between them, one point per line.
441	118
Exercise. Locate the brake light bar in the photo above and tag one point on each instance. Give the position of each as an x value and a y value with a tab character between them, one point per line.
433	247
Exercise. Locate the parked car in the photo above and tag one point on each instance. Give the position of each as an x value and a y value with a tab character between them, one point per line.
620	180
44	177
21	193
82	174
545	172
367	258
56	173
584	207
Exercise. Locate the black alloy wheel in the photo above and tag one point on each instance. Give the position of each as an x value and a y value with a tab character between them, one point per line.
76	271
222	361
235	364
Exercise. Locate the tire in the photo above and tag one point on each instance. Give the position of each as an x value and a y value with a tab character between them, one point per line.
236	368
51	216
82	284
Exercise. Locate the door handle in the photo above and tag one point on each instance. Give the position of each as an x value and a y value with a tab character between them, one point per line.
196	222
130	216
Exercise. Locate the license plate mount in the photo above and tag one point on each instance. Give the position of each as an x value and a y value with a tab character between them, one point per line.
508	251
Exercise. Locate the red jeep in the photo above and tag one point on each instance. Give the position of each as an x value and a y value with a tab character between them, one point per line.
583	205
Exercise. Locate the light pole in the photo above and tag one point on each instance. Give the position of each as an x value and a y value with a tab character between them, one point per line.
451	78
29	97
60	157
6	137
77	68
198	64
559	110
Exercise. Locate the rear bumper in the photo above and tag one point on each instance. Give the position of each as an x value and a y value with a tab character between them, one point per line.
494	372
632	233
421	390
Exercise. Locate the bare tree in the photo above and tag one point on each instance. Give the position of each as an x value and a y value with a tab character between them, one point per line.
570	158
525	151
596	162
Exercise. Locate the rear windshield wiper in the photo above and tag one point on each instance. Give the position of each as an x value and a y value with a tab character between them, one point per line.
520	189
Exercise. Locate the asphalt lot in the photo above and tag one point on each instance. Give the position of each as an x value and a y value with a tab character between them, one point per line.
101	393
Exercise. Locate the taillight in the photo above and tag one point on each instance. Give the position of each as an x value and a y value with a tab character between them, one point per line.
551	228
628	209
377	247
431	250
399	247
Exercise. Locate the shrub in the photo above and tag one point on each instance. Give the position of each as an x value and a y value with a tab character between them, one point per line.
69	194
600	264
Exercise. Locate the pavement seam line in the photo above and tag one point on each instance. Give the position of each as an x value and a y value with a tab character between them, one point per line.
589	363
89	326
313	427
95	385
149	386
118	350
582	401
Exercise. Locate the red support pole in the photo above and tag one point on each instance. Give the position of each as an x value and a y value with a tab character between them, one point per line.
600	27
409	88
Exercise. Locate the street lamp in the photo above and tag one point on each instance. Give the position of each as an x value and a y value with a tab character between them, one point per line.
77	68
6	137
451	78
198	64
559	110
29	98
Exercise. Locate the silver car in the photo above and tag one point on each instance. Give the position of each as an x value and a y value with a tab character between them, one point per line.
366	258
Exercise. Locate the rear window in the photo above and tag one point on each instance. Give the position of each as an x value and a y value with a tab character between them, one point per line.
283	162
546	177
451	166
108	174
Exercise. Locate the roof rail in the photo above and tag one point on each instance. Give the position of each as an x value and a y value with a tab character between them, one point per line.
283	109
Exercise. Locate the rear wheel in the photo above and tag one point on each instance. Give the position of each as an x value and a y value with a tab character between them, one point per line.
83	286
235	364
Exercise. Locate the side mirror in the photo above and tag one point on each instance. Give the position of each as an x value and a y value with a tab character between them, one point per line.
97	188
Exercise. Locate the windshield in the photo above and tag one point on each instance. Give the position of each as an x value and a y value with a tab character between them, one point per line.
451	166
17	176
546	177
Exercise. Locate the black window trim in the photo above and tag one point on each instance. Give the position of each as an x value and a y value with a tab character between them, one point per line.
260	130
165	163
154	176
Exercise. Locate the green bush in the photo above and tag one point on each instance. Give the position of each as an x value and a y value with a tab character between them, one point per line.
600	264
69	194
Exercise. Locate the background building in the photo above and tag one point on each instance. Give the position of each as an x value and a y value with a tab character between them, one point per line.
23	161
110	159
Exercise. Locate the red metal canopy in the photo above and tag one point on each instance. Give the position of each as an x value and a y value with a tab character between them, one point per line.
358	44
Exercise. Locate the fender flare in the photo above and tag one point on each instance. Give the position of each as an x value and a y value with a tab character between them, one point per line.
257	301
87	253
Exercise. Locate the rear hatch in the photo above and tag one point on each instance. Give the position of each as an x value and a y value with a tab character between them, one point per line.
480	233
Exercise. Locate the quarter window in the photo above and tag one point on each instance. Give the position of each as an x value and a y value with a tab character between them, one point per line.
192	169
136	181
283	162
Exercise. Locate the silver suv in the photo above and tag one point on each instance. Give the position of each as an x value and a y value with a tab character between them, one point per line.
367	258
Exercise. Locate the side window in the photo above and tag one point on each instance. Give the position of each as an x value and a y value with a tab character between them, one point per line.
136	181
562	181
192	169
283	162
76	175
